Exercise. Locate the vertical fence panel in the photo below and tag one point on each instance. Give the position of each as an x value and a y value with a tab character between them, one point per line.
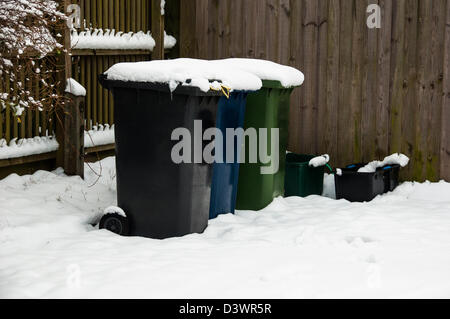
296	60
368	124
8	111
99	119
436	72
94	17
397	76
261	36
322	62
2	90
105	93
308	110
383	79
359	31
345	127
29	116
272	41
87	14
120	11
445	136
423	69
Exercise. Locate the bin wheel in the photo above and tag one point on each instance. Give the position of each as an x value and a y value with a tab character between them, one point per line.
115	223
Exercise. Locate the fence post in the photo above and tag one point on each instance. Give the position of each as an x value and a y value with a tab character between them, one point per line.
74	135
69	116
157	30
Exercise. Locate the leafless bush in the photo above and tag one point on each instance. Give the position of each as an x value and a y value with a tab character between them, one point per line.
30	32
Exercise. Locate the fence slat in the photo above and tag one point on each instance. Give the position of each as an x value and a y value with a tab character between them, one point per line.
383	79
368	124
8	111
345	77
397	75
322	65
94	16
359	31
99	108
94	94
271	29
423	76
87	14
133	21
105	14
105	93
122	13
436	87
309	107
139	15
115	11
296	60
37	112
29	115
88	72
261	37
445	137
2	90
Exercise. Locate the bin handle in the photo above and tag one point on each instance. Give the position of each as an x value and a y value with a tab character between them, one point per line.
224	89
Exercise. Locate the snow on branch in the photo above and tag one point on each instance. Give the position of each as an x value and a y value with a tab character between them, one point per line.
27	35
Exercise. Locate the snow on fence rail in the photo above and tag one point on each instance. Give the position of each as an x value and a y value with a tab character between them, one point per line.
99	39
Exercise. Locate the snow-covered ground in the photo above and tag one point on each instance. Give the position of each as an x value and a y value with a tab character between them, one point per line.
396	246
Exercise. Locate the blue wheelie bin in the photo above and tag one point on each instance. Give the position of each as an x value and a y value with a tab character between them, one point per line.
230	115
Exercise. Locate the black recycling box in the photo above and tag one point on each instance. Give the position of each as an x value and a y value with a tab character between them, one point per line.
391	177
160	198
359	187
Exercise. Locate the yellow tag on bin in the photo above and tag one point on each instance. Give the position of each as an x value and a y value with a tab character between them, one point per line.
224	89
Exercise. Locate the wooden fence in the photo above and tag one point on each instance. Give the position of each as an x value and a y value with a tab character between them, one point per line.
126	16
86	65
368	92
30	123
121	15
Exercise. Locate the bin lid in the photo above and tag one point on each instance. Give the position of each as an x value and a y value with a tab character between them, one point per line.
193	73
272	74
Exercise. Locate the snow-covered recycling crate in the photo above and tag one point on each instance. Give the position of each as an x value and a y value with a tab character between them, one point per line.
357	186
363	182
304	175
158	105
391	177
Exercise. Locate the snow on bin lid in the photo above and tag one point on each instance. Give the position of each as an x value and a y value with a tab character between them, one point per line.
267	70
187	72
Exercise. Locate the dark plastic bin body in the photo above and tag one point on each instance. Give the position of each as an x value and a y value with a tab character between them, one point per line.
230	115
267	108
359	187
391	177
301	179
161	199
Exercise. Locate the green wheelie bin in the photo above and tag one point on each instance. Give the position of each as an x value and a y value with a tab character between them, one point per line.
267	108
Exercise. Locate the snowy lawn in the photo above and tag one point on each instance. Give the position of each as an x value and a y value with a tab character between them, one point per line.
396	246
